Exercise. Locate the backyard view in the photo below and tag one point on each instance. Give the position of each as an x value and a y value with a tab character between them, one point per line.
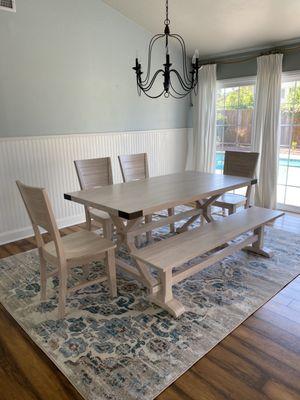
234	119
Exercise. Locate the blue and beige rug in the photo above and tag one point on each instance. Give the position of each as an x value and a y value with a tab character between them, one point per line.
128	349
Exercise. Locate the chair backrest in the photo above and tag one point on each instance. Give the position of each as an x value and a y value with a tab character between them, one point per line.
94	172
40	212
240	163
134	167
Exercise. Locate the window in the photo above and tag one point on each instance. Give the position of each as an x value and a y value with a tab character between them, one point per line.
288	192
8	5
235	105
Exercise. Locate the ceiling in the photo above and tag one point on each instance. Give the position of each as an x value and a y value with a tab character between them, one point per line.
219	26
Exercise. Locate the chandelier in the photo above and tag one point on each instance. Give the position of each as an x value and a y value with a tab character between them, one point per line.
174	84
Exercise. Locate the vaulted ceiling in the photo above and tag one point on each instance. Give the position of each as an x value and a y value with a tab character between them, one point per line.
219	26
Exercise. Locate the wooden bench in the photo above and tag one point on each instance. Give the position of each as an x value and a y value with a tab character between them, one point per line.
170	253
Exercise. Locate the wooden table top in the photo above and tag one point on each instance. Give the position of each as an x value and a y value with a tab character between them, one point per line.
143	197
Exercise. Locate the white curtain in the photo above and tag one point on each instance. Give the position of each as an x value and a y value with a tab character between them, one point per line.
202	140
265	127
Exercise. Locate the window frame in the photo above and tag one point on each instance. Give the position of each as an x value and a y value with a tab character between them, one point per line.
232	82
13	9
236	82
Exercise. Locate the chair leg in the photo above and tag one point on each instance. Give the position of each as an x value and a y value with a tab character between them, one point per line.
88	224
248	196
43	274
63	281
107	229
148	219
111	272
170	213
138	241
88	219
232	210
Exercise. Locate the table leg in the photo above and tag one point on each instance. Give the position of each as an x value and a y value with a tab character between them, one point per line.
139	271
204	205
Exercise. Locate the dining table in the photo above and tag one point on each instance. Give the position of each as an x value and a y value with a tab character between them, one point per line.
129	203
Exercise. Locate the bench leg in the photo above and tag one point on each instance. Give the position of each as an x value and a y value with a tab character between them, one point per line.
164	297
258	246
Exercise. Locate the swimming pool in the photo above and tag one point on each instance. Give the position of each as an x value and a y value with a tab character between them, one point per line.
283	162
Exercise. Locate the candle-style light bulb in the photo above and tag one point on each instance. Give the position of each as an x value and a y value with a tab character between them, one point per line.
195	56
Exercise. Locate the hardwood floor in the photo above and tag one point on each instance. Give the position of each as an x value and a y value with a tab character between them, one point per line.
259	360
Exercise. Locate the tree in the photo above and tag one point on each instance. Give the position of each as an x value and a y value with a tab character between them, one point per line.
290	114
242	97
292	101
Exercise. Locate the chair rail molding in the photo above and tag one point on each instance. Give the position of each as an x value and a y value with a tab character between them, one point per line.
47	161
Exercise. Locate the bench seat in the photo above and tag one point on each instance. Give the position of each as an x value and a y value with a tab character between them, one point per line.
176	251
179	249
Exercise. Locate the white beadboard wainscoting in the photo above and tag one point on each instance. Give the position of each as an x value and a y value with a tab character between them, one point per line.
47	161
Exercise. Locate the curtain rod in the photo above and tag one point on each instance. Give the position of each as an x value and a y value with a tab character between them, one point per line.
233	60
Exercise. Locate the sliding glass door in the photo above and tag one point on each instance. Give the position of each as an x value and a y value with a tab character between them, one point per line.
289	155
235	104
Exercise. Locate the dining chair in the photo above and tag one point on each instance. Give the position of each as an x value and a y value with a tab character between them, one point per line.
76	249
94	173
238	163
135	167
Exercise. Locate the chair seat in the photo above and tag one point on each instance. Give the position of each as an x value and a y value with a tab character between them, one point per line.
80	245
230	199
98	214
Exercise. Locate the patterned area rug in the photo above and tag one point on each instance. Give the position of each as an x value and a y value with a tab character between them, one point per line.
128	348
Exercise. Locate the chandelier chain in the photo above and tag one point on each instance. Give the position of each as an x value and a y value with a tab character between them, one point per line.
167	21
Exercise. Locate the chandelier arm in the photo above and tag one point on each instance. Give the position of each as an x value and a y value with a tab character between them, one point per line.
153	97
184	57
183	49
175	91
152	41
138	89
178	97
183	84
149	86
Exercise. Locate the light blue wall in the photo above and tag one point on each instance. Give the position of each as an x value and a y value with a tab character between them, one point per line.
65	67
